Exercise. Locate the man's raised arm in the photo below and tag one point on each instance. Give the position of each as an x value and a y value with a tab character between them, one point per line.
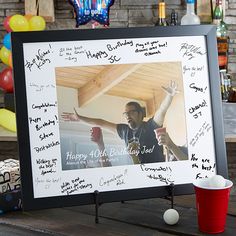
171	90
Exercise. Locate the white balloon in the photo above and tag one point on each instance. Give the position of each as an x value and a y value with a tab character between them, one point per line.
171	217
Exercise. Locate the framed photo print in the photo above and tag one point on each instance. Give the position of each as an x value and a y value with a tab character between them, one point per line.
123	112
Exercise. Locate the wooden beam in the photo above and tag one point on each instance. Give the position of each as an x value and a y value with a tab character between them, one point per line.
150	108
105	80
46	10
31	7
154	103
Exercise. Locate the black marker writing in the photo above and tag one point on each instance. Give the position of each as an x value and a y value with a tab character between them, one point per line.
45	135
78	50
44	105
46	166
69	58
96	55
141	50
196	89
113	59
197	108
119	44
194	159
47	146
39	181
191	51
206	164
207	170
186	69
201	132
47	123
152	53
70	53
194	165
34	120
144	168
75	185
41	87
200	176
162	173
150	48
142	45
116	179
50	171
160	178
40	59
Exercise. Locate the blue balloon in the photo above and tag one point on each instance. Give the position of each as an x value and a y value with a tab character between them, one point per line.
7	41
87	10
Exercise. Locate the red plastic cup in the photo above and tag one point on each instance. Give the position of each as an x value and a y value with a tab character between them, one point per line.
96	133
212	206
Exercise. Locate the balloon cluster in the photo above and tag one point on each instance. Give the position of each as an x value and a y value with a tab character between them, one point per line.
15	23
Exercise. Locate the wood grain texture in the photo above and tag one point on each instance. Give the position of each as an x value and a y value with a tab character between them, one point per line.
31	7
46	10
119	80
8	150
131	218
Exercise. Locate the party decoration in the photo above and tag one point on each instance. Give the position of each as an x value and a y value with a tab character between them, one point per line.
6	24
8	119
28	16
36	23
97	10
19	23
7	41
6	80
10	60
4	55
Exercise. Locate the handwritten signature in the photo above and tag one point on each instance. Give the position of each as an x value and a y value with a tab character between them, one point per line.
39	60
191	51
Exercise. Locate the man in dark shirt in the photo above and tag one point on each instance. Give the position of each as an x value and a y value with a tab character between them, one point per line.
139	136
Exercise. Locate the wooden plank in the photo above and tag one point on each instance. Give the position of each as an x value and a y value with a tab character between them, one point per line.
31	7
149	213
104	81
66	221
138	218
6	135
46	10
8	150
150	104
232	206
145	78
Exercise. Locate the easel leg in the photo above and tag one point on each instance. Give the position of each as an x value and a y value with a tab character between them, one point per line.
96	201
172	194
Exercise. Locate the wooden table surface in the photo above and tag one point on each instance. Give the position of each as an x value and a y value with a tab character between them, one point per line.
139	218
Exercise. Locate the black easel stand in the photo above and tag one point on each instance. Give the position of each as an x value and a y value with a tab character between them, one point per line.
97	204
96	201
171	194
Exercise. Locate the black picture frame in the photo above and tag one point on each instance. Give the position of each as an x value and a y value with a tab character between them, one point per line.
20	42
